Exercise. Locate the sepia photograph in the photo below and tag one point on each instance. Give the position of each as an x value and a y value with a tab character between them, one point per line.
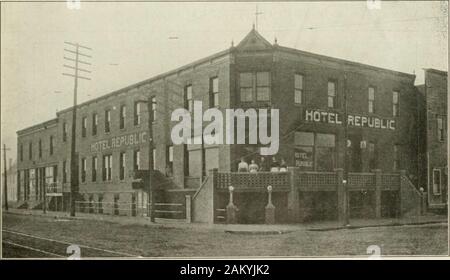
224	130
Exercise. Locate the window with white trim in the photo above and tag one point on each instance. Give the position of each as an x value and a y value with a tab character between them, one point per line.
298	89
436	181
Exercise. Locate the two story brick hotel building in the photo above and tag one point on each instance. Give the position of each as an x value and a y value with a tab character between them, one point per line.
112	133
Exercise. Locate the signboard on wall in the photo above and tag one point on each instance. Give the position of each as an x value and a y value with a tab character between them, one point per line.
304	157
131	139
352	119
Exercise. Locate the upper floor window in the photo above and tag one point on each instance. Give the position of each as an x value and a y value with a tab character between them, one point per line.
64	137
371	97
262	86
188	100
214	92
83	170
51	144
137	113
332	94
107	121
246	87
298	89
107	167
122	161
30	150
94	168
440	128
395	104
154	108
123	115
94	123
137	160
251	83
436	181
40	148
21	152
83	126
64	172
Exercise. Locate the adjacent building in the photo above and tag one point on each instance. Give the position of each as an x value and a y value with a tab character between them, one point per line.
433	102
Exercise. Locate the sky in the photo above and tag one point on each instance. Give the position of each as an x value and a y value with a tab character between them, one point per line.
134	41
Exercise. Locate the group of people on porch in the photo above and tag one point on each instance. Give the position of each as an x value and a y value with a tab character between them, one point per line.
263	166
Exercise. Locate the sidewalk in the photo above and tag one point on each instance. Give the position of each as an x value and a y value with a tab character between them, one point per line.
239	228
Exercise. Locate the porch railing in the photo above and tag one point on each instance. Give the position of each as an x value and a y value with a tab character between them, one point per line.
280	181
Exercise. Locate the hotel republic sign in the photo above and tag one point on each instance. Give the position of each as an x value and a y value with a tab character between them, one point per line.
352	119
131	139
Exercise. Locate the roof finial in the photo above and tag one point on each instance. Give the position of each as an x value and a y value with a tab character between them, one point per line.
232	43
253	26
276	41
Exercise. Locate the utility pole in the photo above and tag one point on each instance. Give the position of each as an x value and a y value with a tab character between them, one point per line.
346	192
76	76
5	176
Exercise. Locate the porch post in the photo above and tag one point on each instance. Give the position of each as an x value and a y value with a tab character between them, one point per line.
341	194
293	197
231	208
270	208
377	193
188	209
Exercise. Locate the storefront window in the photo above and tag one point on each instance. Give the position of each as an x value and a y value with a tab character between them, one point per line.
325	152
314	151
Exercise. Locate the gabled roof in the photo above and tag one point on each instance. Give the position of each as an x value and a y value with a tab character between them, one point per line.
254	42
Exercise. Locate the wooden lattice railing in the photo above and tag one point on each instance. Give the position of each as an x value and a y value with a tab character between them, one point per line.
280	181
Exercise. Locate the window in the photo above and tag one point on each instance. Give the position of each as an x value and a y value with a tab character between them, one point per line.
107	121
51	144
298	89
214	92
40	148
315	151
83	126
262	86
246	87
94	169
169	154
30	150
331	94
153	108
123	115
325	152
258	82
440	128
64	132
21	152
137	160
371	100
395	105
188	101
83	170
396	157
64	172
122	160
94	124
107	167
373	156
436	181
137	113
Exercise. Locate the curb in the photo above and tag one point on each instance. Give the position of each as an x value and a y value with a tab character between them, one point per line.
371	226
